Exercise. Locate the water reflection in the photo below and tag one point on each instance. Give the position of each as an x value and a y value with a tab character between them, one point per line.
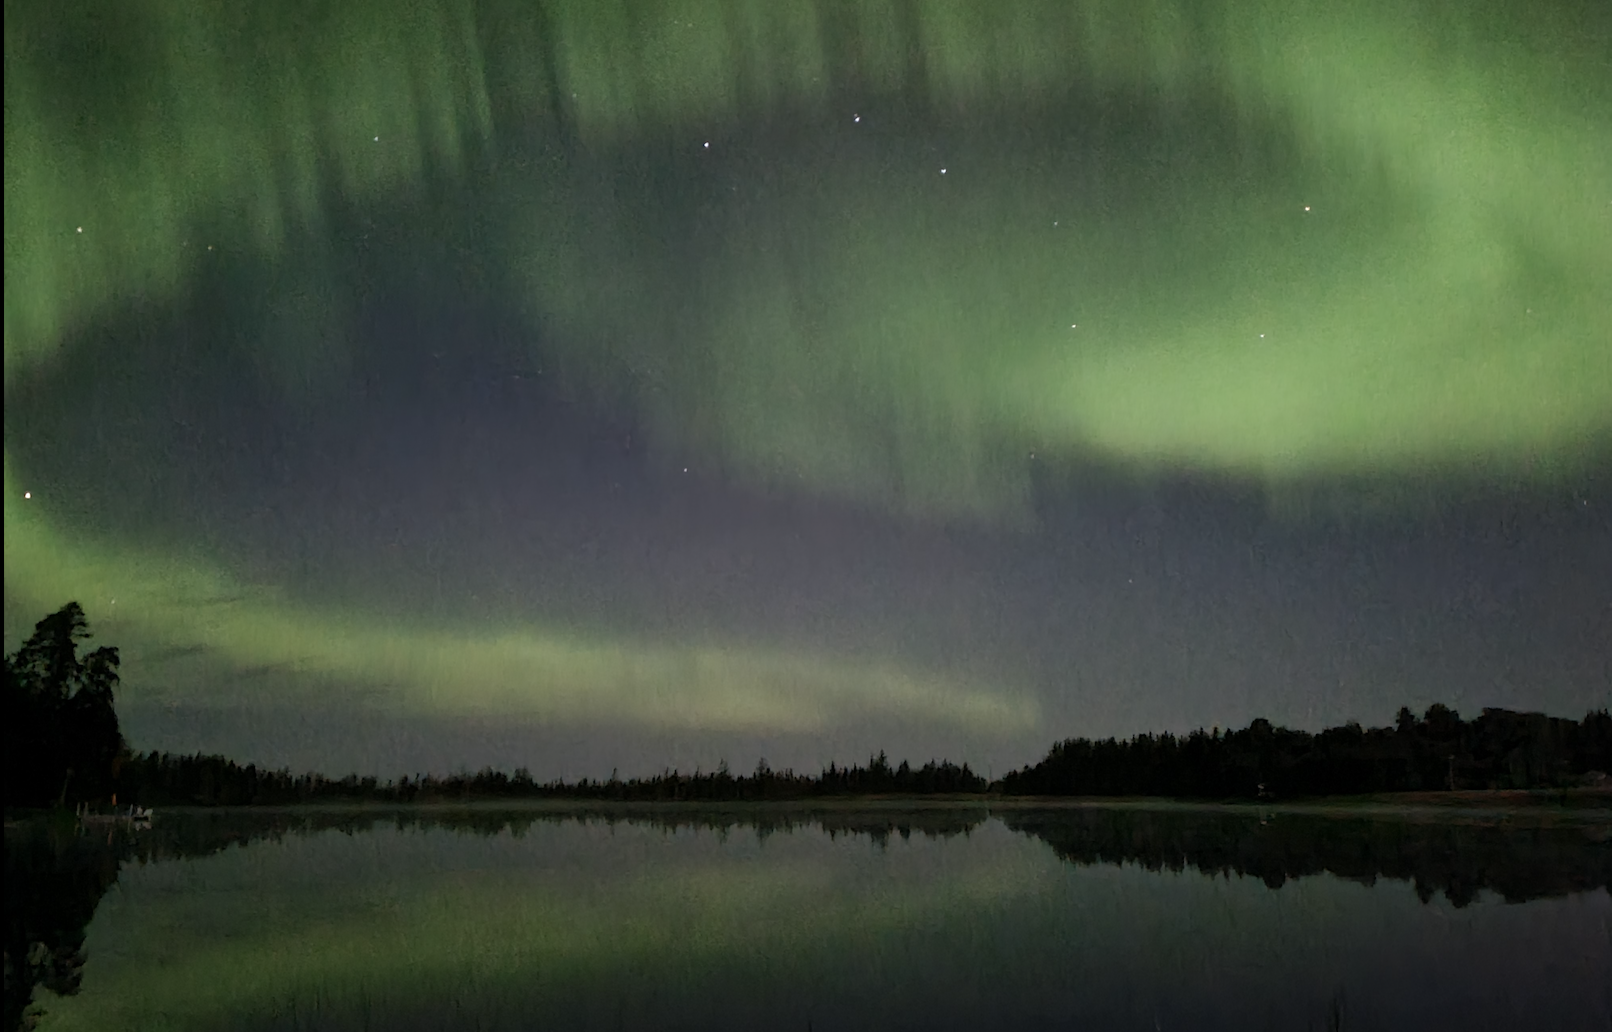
1459	855
620	916
55	877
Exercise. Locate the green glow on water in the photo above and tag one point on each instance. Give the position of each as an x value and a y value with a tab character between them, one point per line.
317	926
571	924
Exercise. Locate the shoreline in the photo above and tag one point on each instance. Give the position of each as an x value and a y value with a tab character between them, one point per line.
1590	804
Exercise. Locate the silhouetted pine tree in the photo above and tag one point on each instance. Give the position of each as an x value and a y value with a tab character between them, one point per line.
63	744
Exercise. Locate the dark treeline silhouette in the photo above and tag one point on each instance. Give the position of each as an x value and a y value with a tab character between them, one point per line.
161	779
64	746
1500	749
62	740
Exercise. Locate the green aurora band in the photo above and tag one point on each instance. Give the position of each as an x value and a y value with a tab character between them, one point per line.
1373	242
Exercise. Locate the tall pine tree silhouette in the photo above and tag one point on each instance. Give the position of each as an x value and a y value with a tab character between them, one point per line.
63	744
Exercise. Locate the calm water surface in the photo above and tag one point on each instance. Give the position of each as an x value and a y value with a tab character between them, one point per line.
1108	918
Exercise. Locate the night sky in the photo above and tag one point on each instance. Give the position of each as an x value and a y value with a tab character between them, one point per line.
618	385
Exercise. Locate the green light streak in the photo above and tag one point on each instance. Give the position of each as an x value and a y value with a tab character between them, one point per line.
515	671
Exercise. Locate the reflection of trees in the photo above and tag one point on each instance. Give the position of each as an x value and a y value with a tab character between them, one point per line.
1456	855
207	831
55	877
1458	858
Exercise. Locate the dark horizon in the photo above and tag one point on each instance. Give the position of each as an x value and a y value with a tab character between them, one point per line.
62	712
64	746
597	779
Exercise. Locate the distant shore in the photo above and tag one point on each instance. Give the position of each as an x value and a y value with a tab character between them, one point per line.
1591	803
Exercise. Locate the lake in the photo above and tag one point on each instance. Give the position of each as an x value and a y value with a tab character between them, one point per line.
827	916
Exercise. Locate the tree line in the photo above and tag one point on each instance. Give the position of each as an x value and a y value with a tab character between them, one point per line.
162	779
64	747
1499	749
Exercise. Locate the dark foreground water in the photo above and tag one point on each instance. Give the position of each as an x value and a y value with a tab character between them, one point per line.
836	918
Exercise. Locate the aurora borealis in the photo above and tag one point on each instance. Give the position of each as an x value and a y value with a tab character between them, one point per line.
602	383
